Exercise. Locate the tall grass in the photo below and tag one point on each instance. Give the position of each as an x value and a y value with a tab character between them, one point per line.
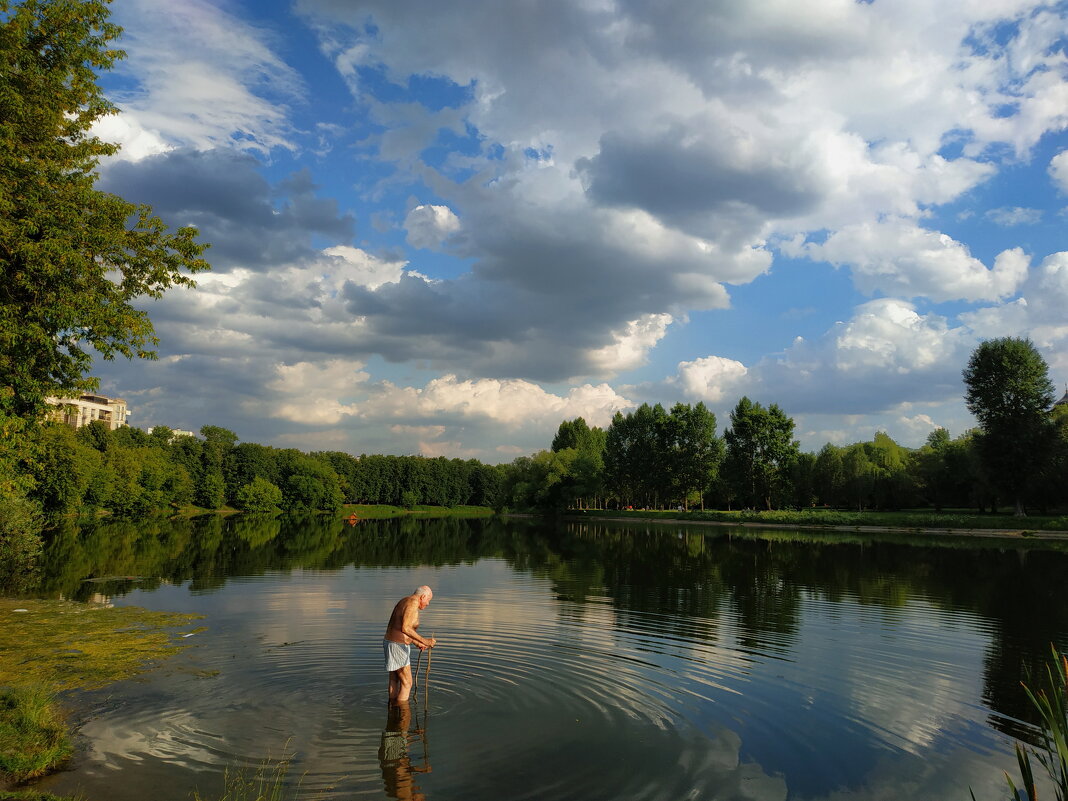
266	783
33	739
1050	698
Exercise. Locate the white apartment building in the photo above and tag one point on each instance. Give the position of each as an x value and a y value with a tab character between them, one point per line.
77	412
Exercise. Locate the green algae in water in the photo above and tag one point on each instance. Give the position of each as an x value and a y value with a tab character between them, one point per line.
67	645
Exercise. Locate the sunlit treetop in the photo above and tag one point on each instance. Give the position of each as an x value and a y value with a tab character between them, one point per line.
74	258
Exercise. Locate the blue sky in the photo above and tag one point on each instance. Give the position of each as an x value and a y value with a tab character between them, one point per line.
443	229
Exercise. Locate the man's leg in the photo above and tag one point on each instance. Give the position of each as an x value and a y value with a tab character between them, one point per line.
404	681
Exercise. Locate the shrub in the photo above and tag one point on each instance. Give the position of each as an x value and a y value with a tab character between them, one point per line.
258	495
20	541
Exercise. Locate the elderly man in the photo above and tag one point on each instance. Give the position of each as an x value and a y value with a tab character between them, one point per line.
397	644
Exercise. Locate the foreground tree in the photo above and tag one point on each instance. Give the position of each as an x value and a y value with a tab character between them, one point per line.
74	258
1010	394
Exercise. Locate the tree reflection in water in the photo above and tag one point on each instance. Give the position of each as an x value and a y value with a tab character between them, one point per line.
684	578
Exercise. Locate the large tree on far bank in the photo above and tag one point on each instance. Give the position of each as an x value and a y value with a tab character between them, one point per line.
1009	392
74	258
760	451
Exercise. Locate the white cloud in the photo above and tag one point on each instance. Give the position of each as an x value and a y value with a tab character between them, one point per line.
204	78
134	140
510	402
1058	170
712	378
631	345
1014	215
891	336
346	263
428	226
897	257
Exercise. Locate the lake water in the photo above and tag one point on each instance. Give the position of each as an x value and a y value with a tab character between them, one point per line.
575	660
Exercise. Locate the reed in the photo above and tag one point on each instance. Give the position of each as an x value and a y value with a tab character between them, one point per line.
1050	698
268	782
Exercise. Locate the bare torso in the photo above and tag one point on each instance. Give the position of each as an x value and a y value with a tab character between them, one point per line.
405	616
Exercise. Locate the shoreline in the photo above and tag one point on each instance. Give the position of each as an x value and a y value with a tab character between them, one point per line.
979	533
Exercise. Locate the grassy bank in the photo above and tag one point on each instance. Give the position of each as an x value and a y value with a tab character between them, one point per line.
383	512
826	518
48	647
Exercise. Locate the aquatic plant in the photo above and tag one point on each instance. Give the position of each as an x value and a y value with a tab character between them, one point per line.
266	783
1051	701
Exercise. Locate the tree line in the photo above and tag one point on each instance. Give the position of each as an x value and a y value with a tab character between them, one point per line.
659	458
129	473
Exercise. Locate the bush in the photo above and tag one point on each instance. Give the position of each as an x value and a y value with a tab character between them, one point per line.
259	495
20	541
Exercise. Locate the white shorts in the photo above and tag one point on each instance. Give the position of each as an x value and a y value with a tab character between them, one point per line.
397	654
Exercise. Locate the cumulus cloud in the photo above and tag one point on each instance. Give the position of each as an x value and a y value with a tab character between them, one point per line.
887	354
512	402
616	168
632	344
897	257
711	378
428	226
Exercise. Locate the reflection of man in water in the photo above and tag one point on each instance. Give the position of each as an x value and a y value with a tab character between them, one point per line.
397	644
393	756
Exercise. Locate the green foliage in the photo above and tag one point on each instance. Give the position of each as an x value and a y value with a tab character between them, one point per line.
760	452
259	495
20	541
409	500
210	489
33	738
311	485
63	469
74	258
1010	394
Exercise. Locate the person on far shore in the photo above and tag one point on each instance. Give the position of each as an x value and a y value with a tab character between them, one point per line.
397	644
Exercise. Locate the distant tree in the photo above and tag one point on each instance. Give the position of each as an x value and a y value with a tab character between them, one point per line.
210	489
858	476
96	435
693	452
803	480
1009	392
247	461
217	434
63	469
828	475
932	468
760	450
259	495
74	258
311	485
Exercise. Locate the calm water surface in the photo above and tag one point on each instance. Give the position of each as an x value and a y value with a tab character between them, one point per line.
576	661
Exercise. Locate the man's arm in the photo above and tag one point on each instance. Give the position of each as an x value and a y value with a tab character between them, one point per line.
408	623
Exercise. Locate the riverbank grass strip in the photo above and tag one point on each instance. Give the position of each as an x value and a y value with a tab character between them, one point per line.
33	737
65	645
